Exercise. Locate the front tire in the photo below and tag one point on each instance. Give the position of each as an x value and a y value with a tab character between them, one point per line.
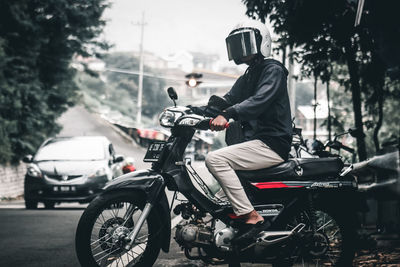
97	241
49	205
30	204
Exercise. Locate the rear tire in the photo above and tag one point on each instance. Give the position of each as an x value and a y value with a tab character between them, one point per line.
340	234
108	202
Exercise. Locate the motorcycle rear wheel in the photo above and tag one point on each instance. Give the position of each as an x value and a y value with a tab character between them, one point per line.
335	233
98	241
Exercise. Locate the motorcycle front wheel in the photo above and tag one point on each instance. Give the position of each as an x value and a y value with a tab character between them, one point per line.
102	232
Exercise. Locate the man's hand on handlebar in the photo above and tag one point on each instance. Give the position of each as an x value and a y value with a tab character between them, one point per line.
219	123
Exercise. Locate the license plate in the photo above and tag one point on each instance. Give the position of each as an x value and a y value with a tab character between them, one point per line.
64	188
154	151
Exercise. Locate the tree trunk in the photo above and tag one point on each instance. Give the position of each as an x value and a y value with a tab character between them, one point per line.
356	98
378	88
284	56
380	119
315	107
329	110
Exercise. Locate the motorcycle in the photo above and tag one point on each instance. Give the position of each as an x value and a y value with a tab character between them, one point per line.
308	203
378	180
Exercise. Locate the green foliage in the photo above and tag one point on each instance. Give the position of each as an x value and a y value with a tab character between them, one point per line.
37	42
322	33
121	90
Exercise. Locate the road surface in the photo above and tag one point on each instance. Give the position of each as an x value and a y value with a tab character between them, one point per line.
46	237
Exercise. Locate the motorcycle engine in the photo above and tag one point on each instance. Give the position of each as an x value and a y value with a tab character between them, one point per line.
191	235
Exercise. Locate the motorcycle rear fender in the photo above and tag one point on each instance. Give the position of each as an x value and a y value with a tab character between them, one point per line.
152	185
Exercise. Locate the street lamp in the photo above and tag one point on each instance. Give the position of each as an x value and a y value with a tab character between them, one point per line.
193	79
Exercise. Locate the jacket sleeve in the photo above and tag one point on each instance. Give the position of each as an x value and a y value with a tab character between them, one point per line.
271	82
233	96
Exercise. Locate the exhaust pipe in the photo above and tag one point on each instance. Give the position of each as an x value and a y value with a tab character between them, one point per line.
273	237
268	238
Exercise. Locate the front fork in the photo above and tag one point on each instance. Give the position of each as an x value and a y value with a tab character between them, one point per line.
132	236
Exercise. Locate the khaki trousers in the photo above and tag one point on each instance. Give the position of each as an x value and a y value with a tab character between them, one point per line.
250	155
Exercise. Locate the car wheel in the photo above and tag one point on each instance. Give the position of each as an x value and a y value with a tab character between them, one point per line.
49	204
30	204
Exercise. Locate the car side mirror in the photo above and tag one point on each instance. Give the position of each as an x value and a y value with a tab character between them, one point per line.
27	159
118	158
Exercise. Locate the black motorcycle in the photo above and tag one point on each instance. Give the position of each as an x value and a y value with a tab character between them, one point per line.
307	201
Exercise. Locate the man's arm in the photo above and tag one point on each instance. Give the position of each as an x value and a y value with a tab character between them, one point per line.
233	96
273	80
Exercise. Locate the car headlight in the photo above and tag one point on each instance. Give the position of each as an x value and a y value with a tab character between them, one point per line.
34	171
99	172
167	118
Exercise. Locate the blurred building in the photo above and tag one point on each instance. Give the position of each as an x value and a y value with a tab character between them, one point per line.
305	120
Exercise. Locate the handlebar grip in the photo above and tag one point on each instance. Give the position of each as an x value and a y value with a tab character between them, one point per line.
348	149
225	126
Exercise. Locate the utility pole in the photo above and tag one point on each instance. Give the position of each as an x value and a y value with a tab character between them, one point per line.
140	88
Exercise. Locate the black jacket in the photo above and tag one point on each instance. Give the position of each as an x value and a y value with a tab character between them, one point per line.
260	100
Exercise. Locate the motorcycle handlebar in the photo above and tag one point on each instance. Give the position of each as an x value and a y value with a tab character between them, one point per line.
348	149
206	124
225	126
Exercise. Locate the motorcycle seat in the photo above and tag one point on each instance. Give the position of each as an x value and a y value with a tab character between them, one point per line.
296	169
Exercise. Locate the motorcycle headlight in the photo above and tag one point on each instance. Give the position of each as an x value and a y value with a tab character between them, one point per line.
34	171
99	172
167	118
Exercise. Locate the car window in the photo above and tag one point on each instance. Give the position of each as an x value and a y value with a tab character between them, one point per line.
72	149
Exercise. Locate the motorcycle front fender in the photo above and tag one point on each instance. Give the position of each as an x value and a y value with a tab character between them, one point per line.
146	181
152	185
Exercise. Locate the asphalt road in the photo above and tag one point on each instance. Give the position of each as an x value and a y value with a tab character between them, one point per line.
46	237
78	121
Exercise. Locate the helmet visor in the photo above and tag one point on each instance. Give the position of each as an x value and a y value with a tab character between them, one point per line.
241	44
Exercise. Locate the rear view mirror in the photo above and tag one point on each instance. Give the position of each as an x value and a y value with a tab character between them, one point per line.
172	93
355	132
27	159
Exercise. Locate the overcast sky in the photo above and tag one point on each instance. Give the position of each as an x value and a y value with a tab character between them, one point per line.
173	25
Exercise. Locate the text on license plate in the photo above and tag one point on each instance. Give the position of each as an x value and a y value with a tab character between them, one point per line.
64	188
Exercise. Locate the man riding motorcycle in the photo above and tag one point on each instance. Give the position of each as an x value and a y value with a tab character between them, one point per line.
259	100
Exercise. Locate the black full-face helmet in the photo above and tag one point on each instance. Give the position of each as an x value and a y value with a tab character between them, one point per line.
248	39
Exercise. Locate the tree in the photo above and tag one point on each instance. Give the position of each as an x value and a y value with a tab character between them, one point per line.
154	95
39	39
119	91
324	31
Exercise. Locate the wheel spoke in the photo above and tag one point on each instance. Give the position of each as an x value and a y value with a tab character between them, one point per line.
98	240
327	238
333	235
106	254
108	226
323	226
104	220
